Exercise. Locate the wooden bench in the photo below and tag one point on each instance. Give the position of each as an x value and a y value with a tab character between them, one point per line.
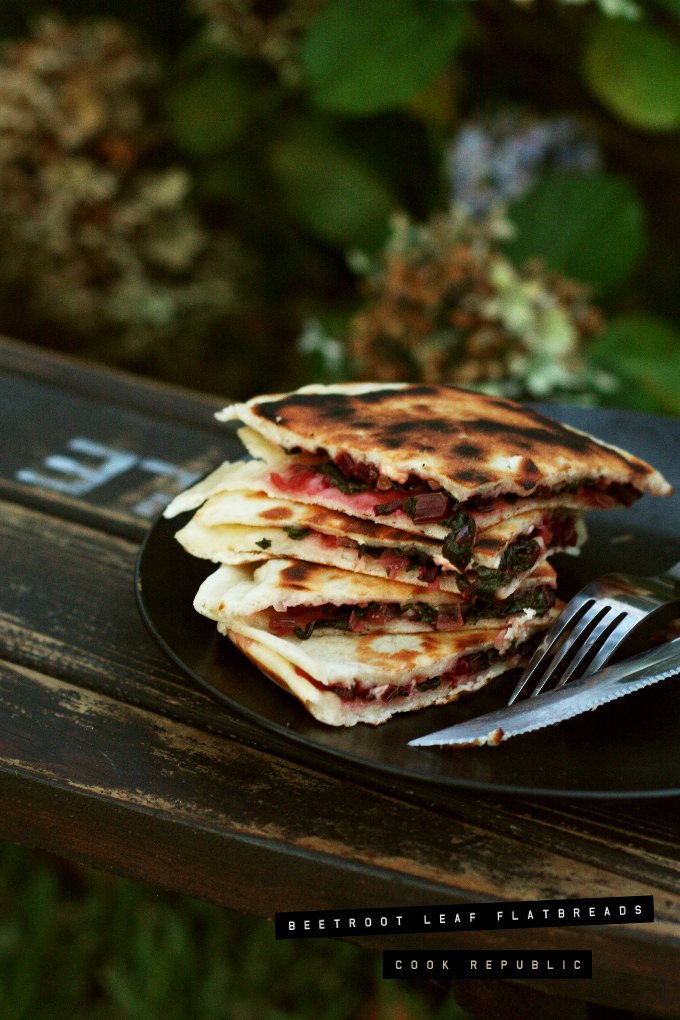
109	755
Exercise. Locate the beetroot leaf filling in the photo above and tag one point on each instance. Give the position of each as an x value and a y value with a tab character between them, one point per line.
557	529
426	504
301	621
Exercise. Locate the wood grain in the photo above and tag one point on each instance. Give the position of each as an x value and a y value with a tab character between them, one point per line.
144	460
110	386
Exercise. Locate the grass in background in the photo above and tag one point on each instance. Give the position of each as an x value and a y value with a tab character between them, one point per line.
84	945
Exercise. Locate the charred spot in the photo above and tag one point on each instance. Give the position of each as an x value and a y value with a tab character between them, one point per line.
333	406
363	424
466	450
425	391
548	432
401	428
383	396
364	527
418	427
556	435
471	475
501	402
528	470
277	513
391	444
298	572
528	473
443	425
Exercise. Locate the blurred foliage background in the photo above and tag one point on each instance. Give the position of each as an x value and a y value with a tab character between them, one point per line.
76	944
246	195
243	196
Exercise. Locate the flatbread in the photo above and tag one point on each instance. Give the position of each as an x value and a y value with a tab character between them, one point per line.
344	679
235	544
255	509
361	488
246	507
258	592
260	478
468	443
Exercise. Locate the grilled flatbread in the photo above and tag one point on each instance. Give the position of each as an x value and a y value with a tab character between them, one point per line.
235	544
549	528
298	478
294	597
466	443
344	679
415	522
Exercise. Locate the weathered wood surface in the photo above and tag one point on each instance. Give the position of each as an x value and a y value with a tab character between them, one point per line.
108	754
89	632
110	386
124	788
78	457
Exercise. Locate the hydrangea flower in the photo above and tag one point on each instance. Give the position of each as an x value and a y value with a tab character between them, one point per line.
498	158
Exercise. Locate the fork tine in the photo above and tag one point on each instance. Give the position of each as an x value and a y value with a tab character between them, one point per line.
528	674
583	628
573	611
611	644
600	633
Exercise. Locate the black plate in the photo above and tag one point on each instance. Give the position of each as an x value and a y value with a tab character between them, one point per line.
629	748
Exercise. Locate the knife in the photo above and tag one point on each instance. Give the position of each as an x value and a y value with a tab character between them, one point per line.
555	706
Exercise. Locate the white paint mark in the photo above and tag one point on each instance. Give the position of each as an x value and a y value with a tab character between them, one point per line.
83	478
78	478
157	501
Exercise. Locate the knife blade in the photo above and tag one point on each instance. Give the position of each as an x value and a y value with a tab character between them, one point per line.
555	706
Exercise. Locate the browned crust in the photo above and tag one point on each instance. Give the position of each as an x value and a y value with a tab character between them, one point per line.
468	442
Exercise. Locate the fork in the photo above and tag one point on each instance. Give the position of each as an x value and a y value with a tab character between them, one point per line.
593	625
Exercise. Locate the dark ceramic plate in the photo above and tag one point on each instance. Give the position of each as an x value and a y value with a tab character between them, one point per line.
630	748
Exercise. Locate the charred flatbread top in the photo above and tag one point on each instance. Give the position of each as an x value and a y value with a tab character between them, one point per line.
468	443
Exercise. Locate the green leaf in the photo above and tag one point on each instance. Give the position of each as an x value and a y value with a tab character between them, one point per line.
634	71
330	191
591	227
363	57
208	112
645	351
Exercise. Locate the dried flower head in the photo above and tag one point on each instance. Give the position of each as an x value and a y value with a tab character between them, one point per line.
268	32
97	244
445	305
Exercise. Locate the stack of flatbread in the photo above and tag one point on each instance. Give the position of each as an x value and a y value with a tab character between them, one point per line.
385	547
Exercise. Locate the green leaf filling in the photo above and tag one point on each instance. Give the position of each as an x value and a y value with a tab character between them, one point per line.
297	533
